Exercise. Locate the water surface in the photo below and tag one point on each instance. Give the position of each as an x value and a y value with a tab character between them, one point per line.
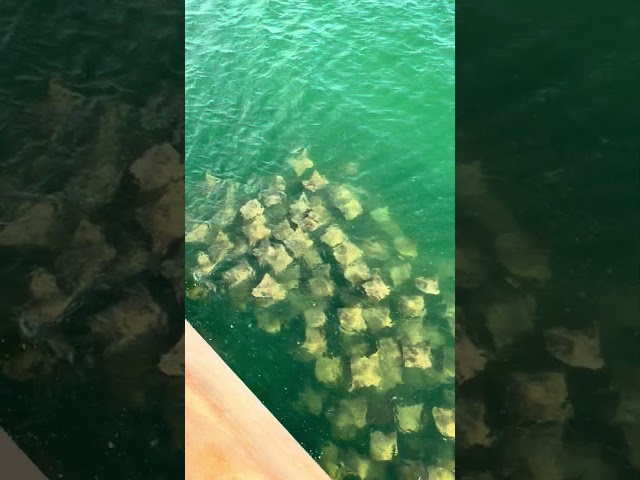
368	83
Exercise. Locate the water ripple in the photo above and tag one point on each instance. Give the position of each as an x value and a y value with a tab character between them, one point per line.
366	81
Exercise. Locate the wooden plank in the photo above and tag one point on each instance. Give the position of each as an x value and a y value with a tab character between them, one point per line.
229	433
14	464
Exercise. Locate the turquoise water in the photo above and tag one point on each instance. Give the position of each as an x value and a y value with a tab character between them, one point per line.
370	82
364	83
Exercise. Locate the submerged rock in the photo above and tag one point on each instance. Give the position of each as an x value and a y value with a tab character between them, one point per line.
412	331
43	285
470	360
251	209
256	230
33	226
375	249
48	302
221	247
347	253
269	199
349	416
440	473
164	219
522	257
333	236
299	208
358	272
204	265
445	421
283	230
158	167
315	182
409	417
172	362
298	243
314	317
406	247
315	344
381	215
400	274
365	371
376	288
278	258
198	234
383	447
377	318
268	321
428	285
351	209
473	430
358	465
575	348
350	169
133	317
412	306
328	370
417	356
301	162
241	273
321	287
351	319
311	221
541	397
270	289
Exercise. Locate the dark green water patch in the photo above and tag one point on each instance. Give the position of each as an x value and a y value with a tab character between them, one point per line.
87	90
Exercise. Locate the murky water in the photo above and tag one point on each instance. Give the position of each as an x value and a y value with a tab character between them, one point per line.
84	95
547	242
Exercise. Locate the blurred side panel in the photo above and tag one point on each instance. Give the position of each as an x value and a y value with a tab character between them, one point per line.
547	240
91	236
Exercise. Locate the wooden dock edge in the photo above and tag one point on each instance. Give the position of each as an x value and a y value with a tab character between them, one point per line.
229	433
14	463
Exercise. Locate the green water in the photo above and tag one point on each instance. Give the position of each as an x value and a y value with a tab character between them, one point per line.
370	83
